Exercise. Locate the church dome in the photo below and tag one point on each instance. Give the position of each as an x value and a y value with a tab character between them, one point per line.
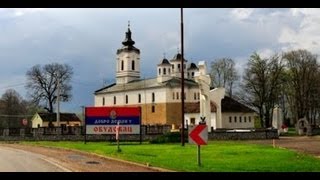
193	66
164	62
178	57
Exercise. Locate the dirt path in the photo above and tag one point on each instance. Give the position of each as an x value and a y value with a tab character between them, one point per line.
305	144
77	161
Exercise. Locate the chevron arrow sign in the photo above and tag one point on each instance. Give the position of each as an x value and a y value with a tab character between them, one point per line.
198	135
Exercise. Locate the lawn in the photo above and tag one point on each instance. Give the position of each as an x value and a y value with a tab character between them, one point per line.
217	156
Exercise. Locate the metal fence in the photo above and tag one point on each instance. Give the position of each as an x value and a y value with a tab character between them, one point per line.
73	130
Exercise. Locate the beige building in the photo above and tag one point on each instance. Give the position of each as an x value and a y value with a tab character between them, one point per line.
47	119
159	97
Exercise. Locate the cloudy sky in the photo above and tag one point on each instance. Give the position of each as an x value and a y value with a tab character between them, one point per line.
87	39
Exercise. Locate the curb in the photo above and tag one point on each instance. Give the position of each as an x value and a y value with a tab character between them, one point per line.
107	157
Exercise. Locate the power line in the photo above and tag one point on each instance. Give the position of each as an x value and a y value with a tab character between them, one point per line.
14	85
13	115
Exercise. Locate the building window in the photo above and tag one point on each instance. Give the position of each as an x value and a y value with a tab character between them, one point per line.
173	95
179	67
153	97
132	65
122	65
240	119
103	101
139	98
230	119
193	121
126	99
198	96
249	119
235	119
114	100
245	119
177	95
188	75
153	108
169	71
164	71
172	67
192	74
159	71
195	96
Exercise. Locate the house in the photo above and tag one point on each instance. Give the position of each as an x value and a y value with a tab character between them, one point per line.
234	114
44	119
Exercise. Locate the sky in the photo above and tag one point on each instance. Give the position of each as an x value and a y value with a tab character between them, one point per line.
87	40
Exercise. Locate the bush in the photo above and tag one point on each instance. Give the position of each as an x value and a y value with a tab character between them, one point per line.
170	137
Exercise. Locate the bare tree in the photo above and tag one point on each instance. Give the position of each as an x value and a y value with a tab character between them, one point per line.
12	106
224	74
42	83
261	85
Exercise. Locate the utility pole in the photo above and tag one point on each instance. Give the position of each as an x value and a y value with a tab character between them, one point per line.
182	82
58	100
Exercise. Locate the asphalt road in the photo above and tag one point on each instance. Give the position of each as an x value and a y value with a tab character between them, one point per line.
15	160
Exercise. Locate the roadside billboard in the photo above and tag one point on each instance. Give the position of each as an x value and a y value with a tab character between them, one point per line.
104	120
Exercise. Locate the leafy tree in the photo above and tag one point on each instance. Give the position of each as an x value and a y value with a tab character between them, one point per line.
304	83
43	82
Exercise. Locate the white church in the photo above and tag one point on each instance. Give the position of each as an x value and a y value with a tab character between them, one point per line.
160	97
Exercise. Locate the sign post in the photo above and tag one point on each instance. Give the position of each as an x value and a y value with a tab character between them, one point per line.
198	135
117	135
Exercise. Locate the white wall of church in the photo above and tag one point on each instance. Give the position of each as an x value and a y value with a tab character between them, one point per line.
133	97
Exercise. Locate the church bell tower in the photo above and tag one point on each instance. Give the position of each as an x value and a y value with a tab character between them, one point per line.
128	61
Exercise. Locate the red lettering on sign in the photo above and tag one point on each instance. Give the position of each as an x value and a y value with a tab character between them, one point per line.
95	129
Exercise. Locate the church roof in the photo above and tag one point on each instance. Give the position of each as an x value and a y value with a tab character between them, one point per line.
146	84
177	57
164	62
195	107
193	66
128	44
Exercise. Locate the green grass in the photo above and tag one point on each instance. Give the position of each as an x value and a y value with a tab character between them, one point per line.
217	156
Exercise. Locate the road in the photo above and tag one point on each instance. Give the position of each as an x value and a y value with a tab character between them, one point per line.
15	160
28	158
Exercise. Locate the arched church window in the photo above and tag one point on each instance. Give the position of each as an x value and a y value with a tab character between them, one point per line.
132	65
126	99
153	97
164	71
159	71
122	65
